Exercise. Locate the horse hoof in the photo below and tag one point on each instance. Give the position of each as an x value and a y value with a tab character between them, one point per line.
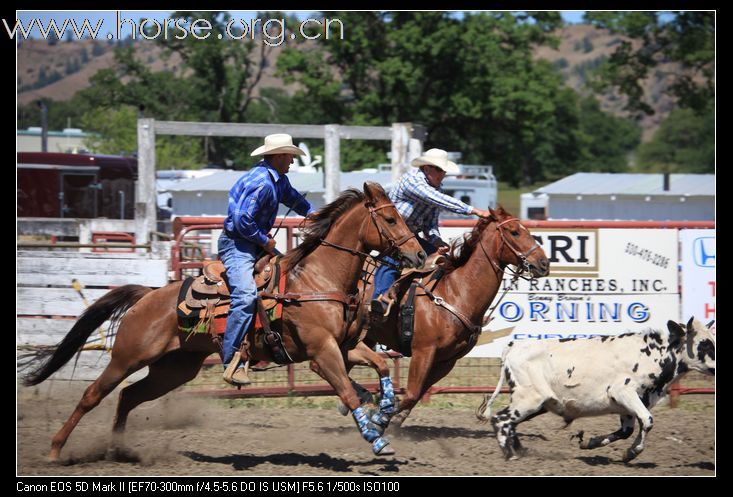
381	447
398	420
342	409
387	451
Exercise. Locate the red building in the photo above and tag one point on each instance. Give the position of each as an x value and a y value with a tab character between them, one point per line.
75	185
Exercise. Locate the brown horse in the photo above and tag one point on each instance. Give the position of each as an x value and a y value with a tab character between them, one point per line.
447	317
329	259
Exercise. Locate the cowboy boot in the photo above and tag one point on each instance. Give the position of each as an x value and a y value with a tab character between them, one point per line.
376	313
234	375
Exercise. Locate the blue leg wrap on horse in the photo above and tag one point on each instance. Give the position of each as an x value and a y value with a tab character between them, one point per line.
387	404
379	444
381	420
368	430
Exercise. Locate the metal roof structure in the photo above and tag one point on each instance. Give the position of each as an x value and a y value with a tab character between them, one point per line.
632	184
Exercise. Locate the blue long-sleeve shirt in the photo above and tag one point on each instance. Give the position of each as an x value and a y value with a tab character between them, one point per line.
419	203
254	200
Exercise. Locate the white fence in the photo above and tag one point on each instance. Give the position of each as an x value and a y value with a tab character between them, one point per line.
47	302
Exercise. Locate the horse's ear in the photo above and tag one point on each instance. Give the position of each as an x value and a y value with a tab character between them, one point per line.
373	191
498	213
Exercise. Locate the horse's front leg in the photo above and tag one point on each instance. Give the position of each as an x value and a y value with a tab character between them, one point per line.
365	356
330	362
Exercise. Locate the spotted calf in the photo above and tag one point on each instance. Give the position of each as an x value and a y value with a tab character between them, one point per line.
625	374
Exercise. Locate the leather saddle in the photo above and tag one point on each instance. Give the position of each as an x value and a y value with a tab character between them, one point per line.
209	293
432	263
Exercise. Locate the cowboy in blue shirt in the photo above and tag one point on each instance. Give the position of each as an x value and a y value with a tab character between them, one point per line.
419	200
253	205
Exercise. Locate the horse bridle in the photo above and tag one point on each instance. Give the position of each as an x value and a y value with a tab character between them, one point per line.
523	257
393	244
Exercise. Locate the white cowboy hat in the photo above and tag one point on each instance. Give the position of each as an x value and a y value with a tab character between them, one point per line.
438	158
280	143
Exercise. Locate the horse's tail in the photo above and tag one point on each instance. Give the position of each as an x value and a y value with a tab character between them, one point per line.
483	412
110	306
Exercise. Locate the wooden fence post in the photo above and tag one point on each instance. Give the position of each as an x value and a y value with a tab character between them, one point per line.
145	192
332	170
400	147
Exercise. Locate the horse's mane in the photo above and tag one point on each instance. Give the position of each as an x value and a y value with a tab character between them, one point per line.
320	223
457	258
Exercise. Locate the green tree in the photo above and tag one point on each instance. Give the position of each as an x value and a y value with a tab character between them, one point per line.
117	129
224	76
60	113
131	82
687	38
607	140
472	81
684	143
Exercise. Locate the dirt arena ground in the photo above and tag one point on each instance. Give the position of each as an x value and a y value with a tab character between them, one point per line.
185	435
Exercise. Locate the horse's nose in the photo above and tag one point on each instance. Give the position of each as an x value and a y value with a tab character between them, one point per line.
544	264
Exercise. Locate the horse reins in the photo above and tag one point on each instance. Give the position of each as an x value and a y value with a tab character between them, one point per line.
350	301
521	256
393	244
440	302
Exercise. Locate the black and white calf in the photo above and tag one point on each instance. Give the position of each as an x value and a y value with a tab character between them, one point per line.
625	374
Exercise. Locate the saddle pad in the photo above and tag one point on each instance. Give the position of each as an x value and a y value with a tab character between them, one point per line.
195	325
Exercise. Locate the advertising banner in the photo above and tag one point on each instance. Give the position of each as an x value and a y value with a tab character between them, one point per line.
602	282
697	248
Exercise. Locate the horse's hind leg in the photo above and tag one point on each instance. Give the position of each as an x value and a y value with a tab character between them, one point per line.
112	375
421	365
170	371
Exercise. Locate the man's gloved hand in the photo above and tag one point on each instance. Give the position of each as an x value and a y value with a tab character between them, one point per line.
270	247
481	213
443	247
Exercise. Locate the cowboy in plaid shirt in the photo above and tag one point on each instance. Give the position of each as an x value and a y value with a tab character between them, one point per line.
419	200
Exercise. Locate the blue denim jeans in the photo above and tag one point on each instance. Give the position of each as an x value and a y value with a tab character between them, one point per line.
385	275
239	257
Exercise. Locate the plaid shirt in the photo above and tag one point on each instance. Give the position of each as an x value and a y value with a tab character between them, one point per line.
254	199
419	203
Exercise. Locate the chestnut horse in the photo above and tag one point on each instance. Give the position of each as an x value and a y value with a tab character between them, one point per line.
336	242
447	318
